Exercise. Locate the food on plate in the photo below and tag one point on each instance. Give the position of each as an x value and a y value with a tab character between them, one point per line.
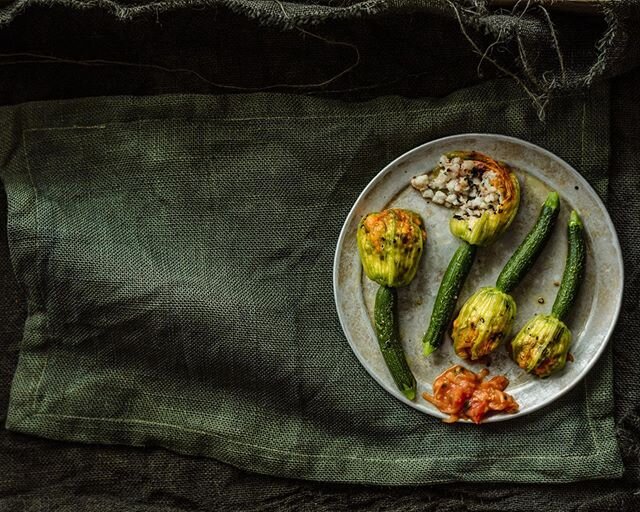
530	248
486	318
483	323
447	297
463	394
542	345
390	245
485	196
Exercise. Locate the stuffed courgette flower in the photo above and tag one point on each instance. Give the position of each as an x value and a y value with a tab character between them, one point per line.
486	318
390	244
485	196
483	323
542	345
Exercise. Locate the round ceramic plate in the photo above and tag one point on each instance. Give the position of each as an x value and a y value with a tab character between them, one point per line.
591	319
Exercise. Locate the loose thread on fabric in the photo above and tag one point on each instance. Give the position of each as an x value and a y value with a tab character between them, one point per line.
49	59
539	85
471	14
538	100
556	44
604	45
37	58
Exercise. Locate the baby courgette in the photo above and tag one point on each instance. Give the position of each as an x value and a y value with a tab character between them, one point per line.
531	247
385	315
542	345
574	268
445	303
390	244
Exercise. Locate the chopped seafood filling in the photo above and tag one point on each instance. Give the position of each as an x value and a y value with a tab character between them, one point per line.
461	184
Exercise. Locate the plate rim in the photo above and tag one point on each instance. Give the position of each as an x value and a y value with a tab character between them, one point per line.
494	137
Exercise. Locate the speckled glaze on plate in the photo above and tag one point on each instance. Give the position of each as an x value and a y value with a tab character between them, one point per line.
591	319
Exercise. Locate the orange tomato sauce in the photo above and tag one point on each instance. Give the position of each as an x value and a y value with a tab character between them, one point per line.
463	394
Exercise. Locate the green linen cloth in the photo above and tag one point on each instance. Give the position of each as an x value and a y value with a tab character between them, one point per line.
176	252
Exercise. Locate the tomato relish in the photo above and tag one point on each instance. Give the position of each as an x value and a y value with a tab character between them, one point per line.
463	394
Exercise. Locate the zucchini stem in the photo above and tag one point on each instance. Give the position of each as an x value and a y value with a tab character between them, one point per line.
445	302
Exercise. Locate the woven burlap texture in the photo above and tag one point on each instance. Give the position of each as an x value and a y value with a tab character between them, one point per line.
177	250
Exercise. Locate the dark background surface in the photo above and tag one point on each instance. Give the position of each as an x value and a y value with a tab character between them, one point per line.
52	53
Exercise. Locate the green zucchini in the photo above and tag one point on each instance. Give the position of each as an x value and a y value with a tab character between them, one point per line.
531	247
486	318
385	320
574	268
542	345
445	302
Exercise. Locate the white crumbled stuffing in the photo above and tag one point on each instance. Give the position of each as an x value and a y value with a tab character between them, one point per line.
439	197
459	185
